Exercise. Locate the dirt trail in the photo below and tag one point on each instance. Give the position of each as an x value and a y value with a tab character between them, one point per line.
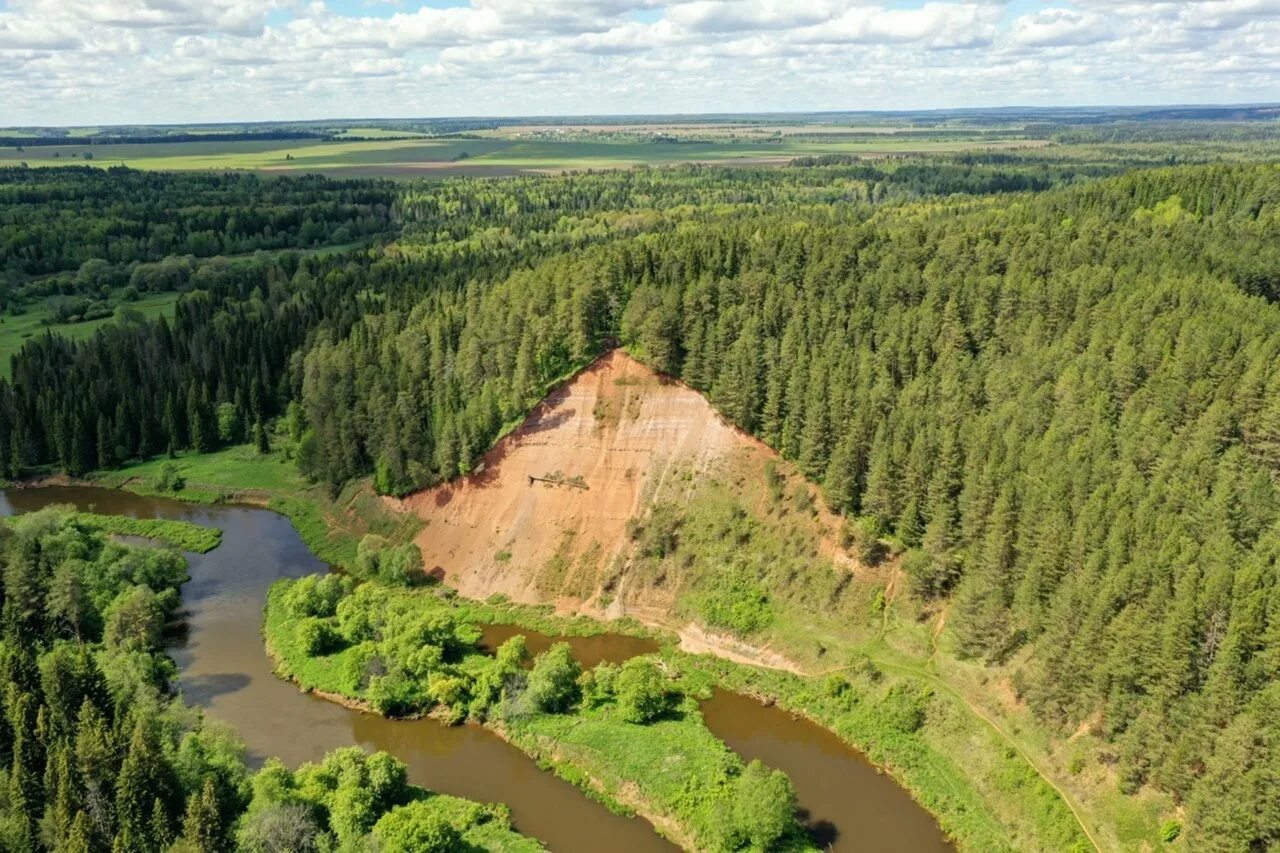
610	440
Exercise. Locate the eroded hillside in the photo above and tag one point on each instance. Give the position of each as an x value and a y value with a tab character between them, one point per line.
585	504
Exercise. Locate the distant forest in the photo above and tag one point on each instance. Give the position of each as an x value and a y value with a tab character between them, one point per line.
1059	391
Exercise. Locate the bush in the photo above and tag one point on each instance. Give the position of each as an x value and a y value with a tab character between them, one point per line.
642	691
356	615
658	535
737	602
168	479
317	595
835	686
399	565
396	695
553	682
598	684
416	828
278	827
904	706
358	664
763	808
317	636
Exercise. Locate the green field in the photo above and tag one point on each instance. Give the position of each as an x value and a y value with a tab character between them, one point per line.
179	534
428	157
237	468
17	330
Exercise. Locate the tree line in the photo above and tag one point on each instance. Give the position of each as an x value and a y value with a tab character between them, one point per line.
58	220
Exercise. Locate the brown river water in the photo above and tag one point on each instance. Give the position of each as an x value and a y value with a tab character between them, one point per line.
225	670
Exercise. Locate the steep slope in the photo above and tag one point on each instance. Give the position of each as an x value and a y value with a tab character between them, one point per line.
546	515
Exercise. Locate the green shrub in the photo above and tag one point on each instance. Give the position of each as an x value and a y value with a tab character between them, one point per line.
317	595
641	690
598	684
659	534
835	685
416	828
762	809
317	636
168	478
396	695
904	706
398	565
358	664
736	602
553	682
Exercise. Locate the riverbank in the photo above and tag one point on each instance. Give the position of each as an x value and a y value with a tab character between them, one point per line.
126	595
670	770
990	800
331	526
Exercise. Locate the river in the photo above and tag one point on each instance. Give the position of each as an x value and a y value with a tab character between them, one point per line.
225	670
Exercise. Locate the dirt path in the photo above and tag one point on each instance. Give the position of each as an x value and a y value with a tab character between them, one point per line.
937	681
696	640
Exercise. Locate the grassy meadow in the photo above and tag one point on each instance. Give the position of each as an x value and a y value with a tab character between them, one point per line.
332	527
16	330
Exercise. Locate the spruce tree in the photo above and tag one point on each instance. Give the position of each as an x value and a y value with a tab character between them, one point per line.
202	826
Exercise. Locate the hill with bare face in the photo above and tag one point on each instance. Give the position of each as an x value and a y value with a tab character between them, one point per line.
555	511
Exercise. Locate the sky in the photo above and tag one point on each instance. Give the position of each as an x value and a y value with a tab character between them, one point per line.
91	62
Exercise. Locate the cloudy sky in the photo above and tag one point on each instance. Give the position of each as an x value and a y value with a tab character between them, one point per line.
125	61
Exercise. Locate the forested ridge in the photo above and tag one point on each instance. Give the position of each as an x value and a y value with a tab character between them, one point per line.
1064	404
232	357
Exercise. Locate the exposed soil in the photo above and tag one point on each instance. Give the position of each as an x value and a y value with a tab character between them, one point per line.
609	442
544	518
607	439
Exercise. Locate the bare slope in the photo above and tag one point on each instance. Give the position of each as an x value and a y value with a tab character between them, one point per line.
613	440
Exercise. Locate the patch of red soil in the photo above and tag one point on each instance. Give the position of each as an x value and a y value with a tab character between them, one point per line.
610	439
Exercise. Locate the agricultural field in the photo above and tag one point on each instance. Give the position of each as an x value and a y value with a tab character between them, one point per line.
495	153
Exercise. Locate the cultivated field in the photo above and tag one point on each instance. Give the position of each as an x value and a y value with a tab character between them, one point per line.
487	154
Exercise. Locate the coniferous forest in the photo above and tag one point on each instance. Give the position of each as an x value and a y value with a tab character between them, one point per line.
1051	381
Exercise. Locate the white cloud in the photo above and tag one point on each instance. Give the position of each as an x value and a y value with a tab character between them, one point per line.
95	61
1057	27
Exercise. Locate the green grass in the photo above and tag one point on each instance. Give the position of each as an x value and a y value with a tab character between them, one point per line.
318	672
15	331
331	527
235	469
676	765
181	534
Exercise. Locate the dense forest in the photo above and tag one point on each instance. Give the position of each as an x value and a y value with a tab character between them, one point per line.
89	231
100	755
1059	394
